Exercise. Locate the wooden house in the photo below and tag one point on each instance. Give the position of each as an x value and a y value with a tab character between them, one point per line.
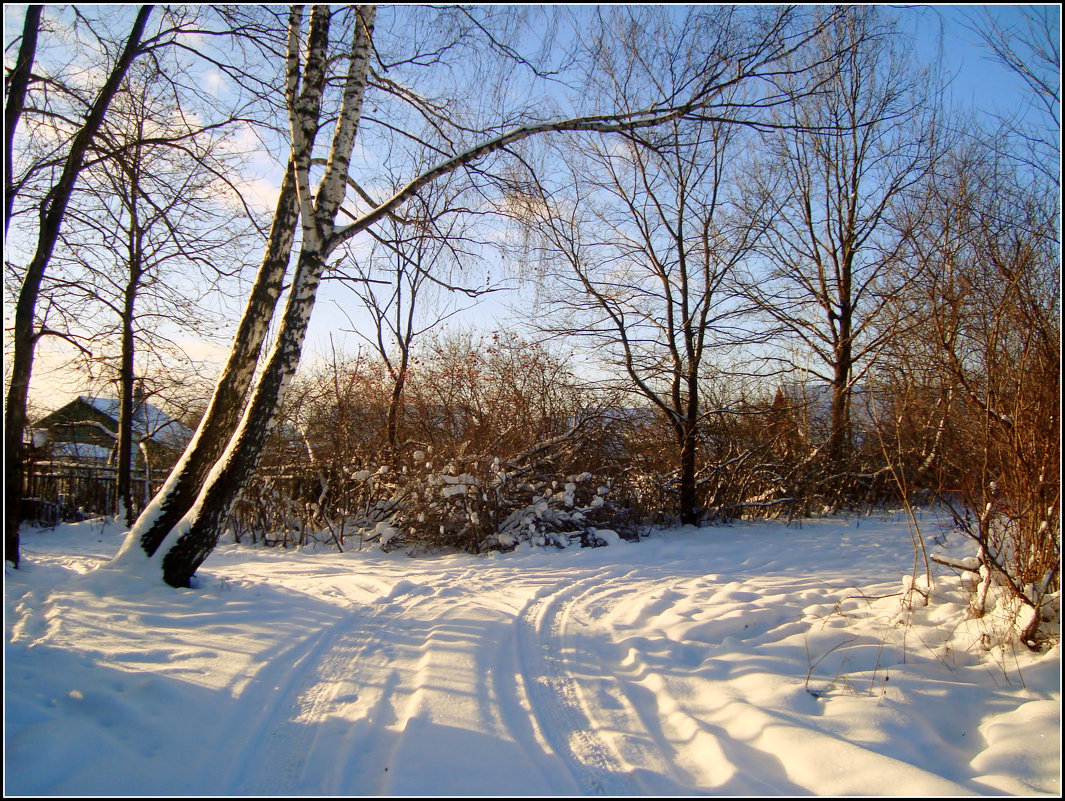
85	432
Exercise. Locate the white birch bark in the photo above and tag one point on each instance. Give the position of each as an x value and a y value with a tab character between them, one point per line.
192	539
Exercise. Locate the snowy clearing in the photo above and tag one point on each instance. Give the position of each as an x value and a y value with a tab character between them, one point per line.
754	659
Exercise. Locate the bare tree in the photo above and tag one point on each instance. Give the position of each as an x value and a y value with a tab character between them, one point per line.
855	150
649	235
155	228
407	282
52	211
645	241
987	236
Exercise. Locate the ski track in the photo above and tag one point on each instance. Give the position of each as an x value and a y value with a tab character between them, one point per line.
555	696
304	740
591	729
295	696
599	681
306	703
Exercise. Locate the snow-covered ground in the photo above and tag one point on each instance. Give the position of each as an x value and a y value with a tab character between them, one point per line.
755	659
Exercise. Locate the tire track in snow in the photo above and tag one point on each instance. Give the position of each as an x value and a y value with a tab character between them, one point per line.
299	743
555	697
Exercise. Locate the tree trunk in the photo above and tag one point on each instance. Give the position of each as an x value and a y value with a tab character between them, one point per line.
124	489
690	513
223	413
197	533
395	402
24	338
839	436
18	83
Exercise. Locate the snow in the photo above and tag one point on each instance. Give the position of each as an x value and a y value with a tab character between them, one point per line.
81	452
148	420
754	659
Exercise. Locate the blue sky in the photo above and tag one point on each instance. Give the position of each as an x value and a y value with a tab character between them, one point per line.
978	81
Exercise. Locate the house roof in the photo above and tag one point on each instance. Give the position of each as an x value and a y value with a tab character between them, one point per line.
149	421
81	452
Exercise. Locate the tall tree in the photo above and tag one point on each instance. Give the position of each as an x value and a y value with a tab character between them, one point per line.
646	240
52	211
155	227
853	151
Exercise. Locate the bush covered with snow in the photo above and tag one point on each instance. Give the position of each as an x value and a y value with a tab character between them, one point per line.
481	504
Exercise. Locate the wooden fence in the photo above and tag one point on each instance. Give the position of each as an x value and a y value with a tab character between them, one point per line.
65	491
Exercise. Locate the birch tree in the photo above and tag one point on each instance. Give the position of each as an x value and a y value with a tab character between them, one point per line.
54	142
755	55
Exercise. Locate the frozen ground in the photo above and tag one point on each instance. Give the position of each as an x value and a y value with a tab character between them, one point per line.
745	660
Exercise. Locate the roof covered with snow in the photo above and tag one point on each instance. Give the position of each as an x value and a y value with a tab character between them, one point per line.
81	452
148	421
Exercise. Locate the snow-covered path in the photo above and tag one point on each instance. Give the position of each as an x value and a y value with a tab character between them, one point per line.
753	660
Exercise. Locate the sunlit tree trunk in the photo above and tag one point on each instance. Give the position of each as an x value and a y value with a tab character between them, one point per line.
195	536
226	407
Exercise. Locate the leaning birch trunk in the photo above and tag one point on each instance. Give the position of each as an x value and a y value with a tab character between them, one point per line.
223	413
179	493
196	534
